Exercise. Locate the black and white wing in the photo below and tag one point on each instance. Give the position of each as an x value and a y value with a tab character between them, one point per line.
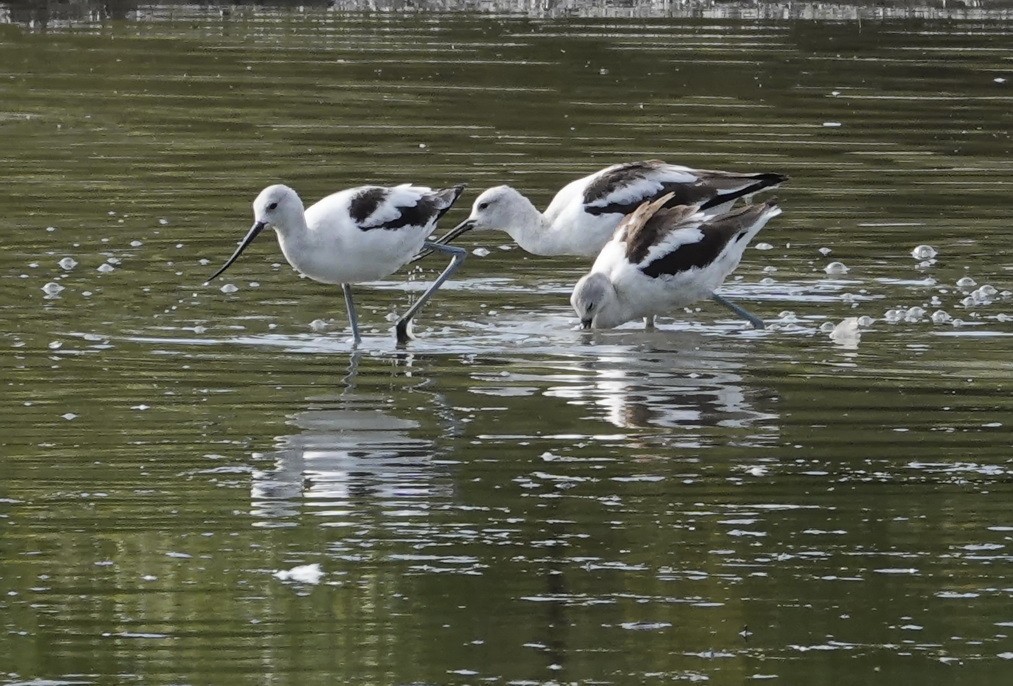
398	207
622	188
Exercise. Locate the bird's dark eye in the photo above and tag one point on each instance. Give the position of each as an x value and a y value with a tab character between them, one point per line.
590	306
273	206
483	205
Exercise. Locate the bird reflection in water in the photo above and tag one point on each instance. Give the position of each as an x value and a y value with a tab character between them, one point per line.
688	388
356	446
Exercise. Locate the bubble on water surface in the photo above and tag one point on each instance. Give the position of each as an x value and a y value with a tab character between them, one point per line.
836	268
52	288
480	252
940	317
825	251
68	263
866	320
136	244
105	268
984	294
229	288
846	333
966	282
69	416
924	252
913	314
763	246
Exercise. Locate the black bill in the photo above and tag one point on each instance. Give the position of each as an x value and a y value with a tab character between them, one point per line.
257	228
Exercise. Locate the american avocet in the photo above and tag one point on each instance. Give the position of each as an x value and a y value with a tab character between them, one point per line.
582	217
663	258
356	235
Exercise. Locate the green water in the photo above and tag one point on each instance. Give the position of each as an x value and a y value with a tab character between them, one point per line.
505	499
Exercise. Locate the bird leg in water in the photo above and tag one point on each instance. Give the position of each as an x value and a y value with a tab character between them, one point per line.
745	314
457	257
350	306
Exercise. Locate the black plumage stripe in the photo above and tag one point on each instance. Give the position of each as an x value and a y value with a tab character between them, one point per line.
430	207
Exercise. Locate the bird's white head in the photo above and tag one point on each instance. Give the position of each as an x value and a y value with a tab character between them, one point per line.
595	301
503	208
499	208
277	206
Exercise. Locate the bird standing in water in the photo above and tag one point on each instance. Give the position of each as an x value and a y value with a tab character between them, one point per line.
355	236
584	214
662	258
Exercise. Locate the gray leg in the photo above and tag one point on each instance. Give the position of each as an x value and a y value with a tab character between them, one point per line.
352	319
457	257
748	316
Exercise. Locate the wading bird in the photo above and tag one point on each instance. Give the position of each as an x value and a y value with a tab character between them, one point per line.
582	217
662	258
355	236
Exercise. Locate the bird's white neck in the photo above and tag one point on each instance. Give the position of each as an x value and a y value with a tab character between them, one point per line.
530	229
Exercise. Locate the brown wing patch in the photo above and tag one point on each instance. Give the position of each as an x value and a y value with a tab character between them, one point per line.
716	234
649	223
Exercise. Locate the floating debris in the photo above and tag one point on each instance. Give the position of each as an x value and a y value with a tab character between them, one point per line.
836	268
306	574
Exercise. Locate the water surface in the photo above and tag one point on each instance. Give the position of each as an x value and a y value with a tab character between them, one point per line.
505	499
